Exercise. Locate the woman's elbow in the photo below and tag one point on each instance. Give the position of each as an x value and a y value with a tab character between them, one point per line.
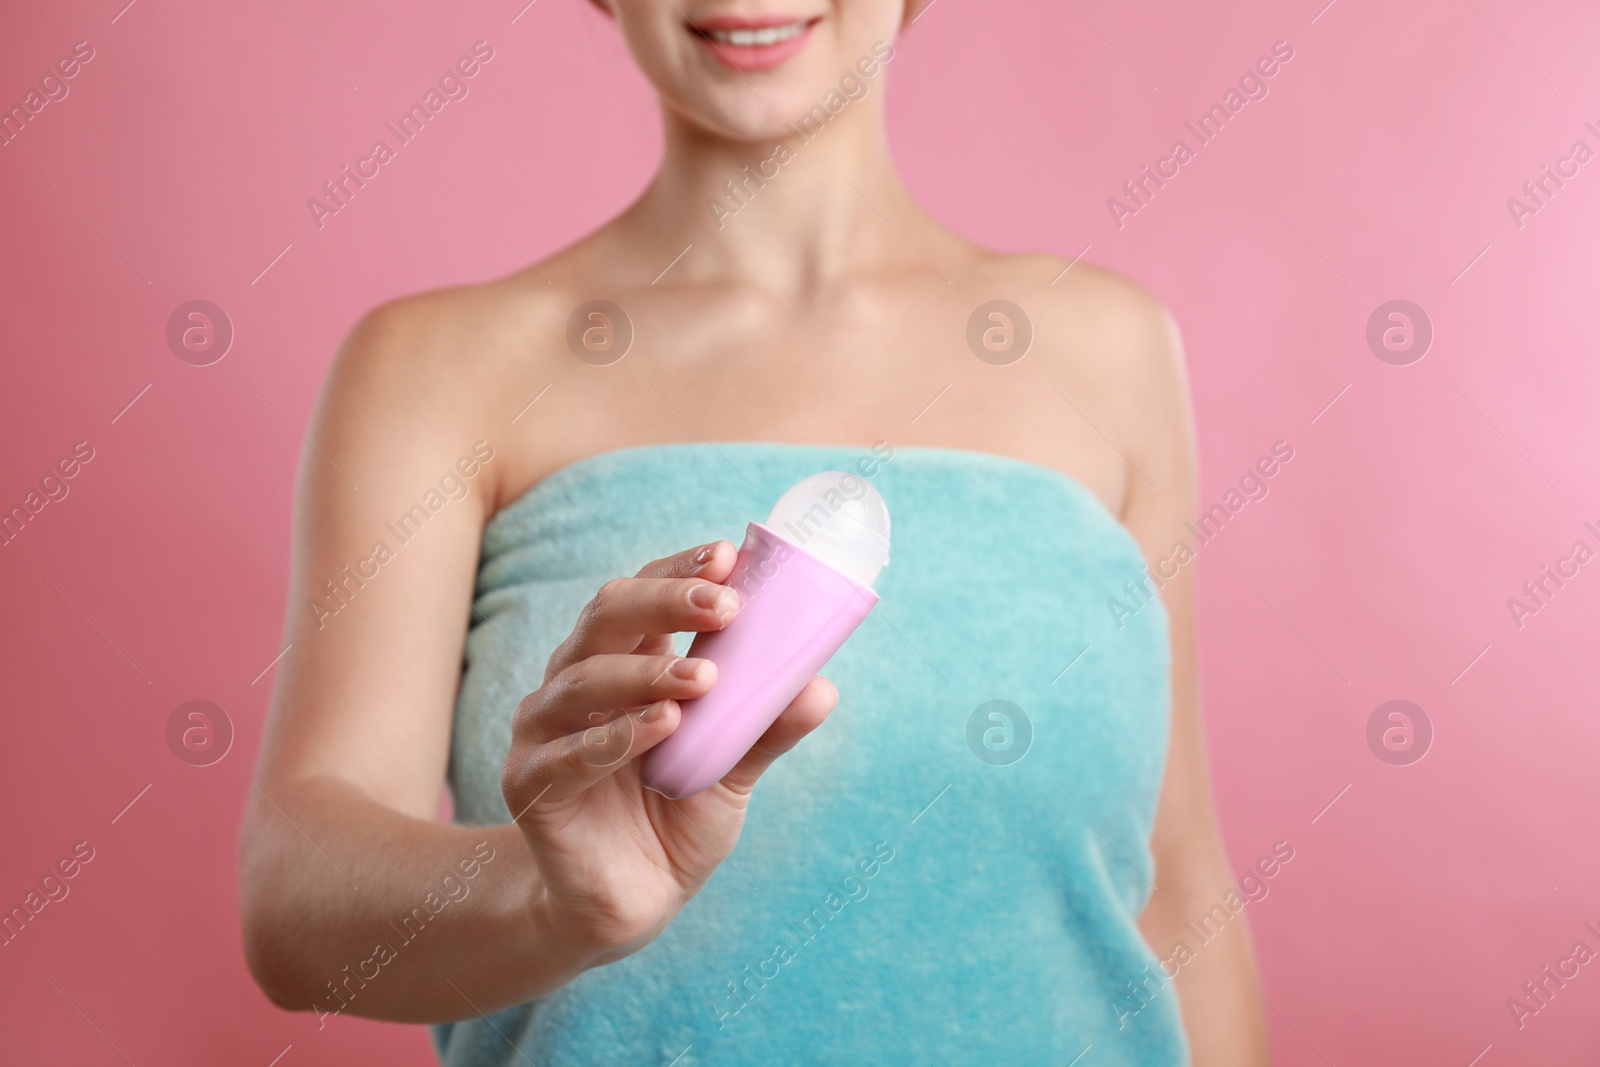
266	930
272	977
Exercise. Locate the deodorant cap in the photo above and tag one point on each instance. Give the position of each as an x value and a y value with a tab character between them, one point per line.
839	518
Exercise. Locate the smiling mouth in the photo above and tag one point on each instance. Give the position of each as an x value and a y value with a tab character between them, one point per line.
752	44
753	38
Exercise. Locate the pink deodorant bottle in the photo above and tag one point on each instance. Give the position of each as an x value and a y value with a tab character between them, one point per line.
804	580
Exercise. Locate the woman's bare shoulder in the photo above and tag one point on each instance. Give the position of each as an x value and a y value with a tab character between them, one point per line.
420	378
1103	337
1094	327
460	333
1097	312
469	344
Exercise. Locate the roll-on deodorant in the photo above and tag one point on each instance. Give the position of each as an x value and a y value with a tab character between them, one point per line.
804	580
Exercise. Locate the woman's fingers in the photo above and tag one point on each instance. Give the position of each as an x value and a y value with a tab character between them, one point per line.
804	714
592	690
562	768
627	609
580	725
678	593
713	562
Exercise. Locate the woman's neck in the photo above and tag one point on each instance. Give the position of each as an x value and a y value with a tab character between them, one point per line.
790	215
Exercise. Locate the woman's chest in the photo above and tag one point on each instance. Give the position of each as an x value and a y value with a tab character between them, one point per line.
803	391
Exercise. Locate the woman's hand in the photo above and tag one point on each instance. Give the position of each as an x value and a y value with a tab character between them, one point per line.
617	861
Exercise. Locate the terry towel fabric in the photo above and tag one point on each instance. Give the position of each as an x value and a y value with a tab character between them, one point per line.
905	890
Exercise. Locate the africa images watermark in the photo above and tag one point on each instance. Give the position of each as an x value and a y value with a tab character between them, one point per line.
1539	191
454	485
452	889
53	889
453	85
851	487
53	89
1543	988
854	85
1252	86
785	949
1552	578
1252	889
1252	486
53	485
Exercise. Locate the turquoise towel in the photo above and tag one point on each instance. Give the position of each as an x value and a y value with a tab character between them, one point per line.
894	898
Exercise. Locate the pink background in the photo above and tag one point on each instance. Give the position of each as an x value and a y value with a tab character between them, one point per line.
1378	568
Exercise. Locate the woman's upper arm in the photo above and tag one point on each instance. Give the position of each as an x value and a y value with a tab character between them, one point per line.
1161	499
395	484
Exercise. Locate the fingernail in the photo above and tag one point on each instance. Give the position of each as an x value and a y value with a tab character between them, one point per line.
704	555
687	669
705	596
654	712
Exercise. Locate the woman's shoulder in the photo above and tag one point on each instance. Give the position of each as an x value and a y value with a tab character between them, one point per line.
1090	323
460	349
421	377
1078	293
459	330
476	340
1106	342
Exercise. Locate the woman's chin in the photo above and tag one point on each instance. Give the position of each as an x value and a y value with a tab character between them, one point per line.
759	122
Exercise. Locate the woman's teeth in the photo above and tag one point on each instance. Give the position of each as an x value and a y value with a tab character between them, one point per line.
768	35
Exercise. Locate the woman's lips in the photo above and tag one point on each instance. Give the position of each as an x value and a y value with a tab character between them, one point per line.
746	44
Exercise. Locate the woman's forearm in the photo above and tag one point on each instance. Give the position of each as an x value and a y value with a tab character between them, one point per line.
351	907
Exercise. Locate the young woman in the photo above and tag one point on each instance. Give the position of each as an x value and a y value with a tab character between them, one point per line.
551	492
